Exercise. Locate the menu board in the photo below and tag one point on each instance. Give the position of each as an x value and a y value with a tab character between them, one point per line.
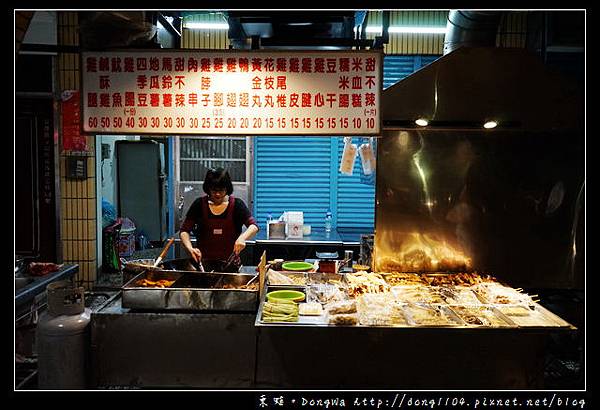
232	92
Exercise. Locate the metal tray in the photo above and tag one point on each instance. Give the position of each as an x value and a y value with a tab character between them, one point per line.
302	319
417	294
482	313
538	317
191	291
451	318
327	255
459	295
299	278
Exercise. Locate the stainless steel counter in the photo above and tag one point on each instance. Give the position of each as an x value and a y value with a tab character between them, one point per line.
317	237
226	350
30	286
292	249
131	349
333	357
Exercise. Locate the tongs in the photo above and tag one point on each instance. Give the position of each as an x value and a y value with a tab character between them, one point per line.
252	280
197	265
233	258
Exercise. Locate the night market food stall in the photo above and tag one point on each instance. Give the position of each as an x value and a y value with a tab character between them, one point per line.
461	213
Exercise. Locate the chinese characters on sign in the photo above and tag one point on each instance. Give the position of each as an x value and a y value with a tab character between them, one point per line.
232	92
47	164
71	125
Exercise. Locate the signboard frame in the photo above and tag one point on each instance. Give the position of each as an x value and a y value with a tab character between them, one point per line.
378	122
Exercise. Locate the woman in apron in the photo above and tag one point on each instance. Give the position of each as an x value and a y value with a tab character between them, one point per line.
216	221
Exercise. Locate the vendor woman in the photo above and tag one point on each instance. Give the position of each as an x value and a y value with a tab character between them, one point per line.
216	221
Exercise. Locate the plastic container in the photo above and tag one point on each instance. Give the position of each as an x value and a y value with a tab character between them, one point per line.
276	230
297	266
324	293
293	295
269	219
142	242
126	244
348	256
328	266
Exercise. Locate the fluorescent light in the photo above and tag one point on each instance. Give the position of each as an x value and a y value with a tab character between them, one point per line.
374	29
422	122
207	26
490	124
369	29
406	29
417	30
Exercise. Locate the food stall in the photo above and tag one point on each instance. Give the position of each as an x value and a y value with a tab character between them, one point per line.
465	219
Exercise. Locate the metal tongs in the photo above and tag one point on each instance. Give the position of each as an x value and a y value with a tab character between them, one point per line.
197	265
252	280
233	258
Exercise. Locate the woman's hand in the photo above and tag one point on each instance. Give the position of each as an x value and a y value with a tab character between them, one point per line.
195	254
239	245
187	244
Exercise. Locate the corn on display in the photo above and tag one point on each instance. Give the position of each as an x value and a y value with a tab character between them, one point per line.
280	310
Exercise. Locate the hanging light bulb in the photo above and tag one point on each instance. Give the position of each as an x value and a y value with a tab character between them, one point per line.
422	122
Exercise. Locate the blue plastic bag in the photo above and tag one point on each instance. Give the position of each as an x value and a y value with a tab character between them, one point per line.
109	213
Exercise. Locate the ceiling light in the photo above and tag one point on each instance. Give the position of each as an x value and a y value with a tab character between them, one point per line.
406	29
374	29
490	124
417	30
422	122
206	26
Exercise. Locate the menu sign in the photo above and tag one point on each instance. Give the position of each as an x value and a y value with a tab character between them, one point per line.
226	92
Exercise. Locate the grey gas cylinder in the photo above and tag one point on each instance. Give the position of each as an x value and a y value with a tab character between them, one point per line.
62	339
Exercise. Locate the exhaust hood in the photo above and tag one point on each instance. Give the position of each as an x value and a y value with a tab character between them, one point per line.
472	85
453	195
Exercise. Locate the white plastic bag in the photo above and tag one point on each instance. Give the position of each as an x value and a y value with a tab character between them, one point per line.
348	156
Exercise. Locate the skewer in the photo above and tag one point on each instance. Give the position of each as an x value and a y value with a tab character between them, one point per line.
533	296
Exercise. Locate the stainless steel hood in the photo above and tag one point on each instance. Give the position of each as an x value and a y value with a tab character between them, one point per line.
507	201
469	86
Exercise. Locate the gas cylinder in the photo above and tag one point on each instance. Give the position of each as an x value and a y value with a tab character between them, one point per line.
62	339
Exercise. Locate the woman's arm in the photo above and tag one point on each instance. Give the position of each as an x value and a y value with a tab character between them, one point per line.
193	215
242	216
240	242
187	244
